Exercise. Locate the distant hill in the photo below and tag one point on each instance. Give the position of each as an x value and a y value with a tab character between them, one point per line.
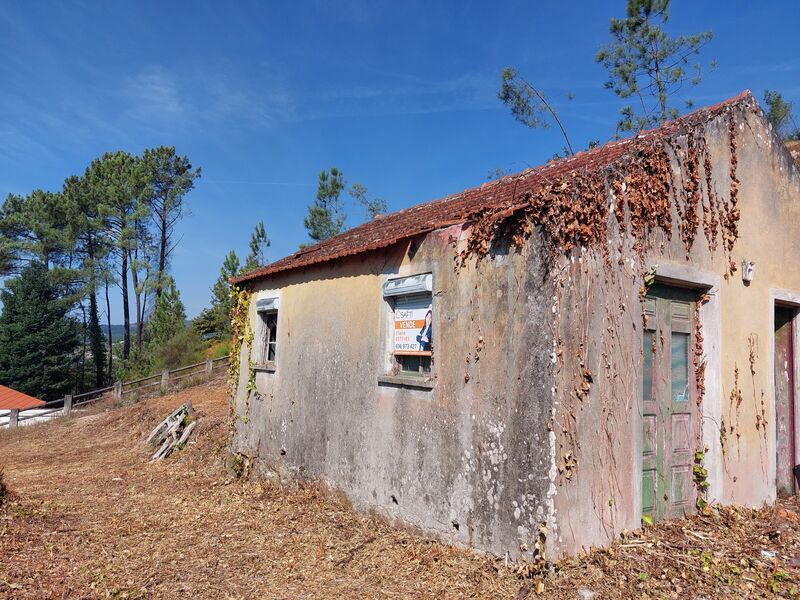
117	331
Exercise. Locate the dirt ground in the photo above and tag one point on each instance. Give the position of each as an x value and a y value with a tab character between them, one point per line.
89	517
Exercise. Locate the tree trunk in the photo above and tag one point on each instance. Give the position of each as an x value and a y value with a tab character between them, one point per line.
144	307
82	376
95	333
139	329
162	248
126	312
96	340
137	296
110	337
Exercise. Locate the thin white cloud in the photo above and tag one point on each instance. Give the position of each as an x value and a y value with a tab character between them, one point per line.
398	94
788	66
16	146
209	94
153	93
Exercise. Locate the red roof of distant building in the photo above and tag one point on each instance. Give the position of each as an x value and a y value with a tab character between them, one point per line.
10	399
455	209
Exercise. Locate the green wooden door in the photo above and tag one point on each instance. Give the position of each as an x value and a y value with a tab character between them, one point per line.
669	407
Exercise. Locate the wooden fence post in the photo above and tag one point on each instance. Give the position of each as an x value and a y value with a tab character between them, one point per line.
164	380
209	366
13	417
118	390
67	405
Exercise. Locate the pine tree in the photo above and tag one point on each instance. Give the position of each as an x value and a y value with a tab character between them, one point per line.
169	178
646	64
91	247
373	206
171	343
38	340
779	113
258	242
216	319
169	315
33	228
529	105
117	181
326	217
221	302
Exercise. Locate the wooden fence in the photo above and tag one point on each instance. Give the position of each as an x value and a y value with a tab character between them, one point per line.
131	391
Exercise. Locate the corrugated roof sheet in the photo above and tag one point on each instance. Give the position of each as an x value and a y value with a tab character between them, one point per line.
422	218
10	399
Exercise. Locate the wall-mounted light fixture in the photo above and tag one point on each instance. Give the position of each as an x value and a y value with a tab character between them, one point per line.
748	270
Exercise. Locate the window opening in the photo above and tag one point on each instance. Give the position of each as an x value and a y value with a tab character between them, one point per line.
271	342
412	333
267	309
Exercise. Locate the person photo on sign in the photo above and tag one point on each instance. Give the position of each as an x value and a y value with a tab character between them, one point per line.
425	337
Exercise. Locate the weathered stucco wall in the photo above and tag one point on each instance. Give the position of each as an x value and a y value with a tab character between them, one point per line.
535	414
468	460
600	325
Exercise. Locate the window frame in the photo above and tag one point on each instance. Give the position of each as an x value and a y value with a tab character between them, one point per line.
270	343
268	313
401	289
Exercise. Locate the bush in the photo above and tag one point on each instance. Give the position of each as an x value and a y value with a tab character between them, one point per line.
219	349
184	348
140	364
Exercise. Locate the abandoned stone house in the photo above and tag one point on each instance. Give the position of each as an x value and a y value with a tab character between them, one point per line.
549	358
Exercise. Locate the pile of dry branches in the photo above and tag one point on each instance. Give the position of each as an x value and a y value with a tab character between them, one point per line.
173	432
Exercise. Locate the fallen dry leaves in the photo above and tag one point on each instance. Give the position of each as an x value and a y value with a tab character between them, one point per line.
90	517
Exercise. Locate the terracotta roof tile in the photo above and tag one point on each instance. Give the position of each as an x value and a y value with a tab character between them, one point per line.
10	399
422	218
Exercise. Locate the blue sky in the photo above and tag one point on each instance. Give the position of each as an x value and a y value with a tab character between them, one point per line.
401	96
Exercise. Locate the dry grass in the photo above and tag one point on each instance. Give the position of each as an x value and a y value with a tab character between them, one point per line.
94	519
91	518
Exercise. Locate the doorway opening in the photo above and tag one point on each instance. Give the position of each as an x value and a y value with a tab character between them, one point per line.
784	353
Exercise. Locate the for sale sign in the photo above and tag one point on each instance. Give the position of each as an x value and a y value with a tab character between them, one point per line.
413	325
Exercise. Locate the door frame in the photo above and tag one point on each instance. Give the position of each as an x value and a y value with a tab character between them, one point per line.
710	413
783	299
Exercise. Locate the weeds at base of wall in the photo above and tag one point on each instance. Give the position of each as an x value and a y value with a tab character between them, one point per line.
726	552
700	477
538	567
238	465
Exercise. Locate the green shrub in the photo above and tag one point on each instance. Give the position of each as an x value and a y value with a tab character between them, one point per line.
184	348
219	349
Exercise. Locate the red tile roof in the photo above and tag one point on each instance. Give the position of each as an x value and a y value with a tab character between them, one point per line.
10	399
457	208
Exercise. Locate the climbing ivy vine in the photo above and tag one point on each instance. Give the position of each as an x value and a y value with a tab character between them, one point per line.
242	333
571	208
650	189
